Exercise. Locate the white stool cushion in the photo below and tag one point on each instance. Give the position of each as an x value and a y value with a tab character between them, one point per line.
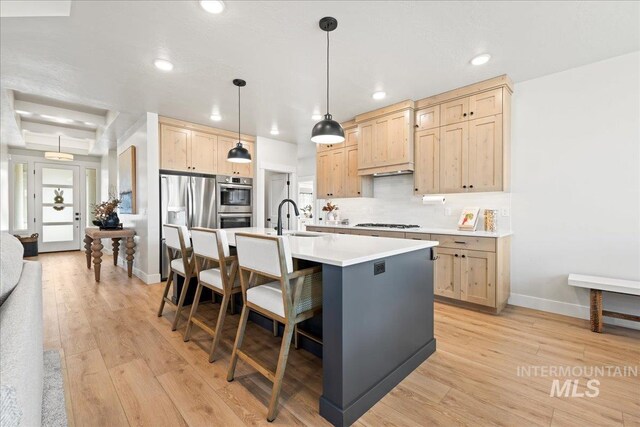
268	297
178	265
213	276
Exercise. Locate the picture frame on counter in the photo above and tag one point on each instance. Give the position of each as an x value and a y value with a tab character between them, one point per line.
468	219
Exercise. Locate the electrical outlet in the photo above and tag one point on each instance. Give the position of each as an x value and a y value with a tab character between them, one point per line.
447	211
504	211
378	268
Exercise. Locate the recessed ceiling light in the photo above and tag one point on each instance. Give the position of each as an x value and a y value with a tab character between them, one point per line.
275	131
481	59
212	6
316	117
216	117
163	64
379	95
23	113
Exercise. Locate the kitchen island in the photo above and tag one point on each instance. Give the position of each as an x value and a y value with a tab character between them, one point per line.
377	319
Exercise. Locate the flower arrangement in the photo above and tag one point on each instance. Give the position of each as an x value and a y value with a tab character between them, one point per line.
307	211
329	207
106	210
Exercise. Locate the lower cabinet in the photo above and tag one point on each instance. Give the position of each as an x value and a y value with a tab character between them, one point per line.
466	276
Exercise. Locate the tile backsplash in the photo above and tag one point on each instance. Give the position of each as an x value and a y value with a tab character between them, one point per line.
393	202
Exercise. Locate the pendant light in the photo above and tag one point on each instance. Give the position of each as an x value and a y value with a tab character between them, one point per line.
327	131
239	154
58	155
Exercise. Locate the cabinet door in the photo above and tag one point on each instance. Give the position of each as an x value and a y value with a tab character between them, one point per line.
245	169
454	111
174	147
485	104
365	143
484	154
323	175
224	167
453	161
351	136
381	140
338	173
203	152
426	175
478	284
352	179
398	138
447	273
428	118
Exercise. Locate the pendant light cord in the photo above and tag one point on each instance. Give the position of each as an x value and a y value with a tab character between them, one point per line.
327	72
239	115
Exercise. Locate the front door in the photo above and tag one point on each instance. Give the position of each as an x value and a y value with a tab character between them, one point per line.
57	198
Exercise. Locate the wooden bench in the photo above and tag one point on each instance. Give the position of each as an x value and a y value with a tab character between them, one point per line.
598	284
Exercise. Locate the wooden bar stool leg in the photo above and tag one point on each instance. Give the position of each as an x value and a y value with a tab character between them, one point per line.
194	308
282	364
239	338
275	328
183	295
295	337
596	310
221	315
165	293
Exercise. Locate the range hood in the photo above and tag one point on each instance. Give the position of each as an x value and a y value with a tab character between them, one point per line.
392	173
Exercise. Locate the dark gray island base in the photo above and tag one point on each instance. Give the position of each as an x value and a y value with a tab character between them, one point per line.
376	329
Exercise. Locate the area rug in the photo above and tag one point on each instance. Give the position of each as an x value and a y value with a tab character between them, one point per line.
54	412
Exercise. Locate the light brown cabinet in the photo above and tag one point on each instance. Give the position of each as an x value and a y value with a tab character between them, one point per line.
446	273
483	104
427	118
426	177
337	170
484	168
189	147
453	162
385	139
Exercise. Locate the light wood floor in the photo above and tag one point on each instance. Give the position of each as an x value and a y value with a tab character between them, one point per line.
124	366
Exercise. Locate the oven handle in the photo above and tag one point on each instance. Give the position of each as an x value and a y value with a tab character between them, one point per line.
244	187
229	215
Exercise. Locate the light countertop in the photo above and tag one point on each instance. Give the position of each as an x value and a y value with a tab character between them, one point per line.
428	230
341	250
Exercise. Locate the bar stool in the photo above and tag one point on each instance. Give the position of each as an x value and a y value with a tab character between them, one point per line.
288	297
179	251
211	246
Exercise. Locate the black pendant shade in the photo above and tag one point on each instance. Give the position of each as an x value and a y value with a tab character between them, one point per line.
327	131
239	154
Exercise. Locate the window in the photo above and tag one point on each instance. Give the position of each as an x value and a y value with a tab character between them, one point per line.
20	197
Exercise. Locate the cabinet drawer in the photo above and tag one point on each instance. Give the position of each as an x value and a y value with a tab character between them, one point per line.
418	236
487	244
341	231
319	229
378	233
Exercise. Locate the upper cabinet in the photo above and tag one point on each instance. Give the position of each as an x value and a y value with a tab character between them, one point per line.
337	168
385	139
190	147
470	153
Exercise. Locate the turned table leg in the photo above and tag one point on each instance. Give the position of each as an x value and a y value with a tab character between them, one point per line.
596	310
87	250
96	252
116	249
130	251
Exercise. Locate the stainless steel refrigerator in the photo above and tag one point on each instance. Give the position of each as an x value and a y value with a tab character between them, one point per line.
185	200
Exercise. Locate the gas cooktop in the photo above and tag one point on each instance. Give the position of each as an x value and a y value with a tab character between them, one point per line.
371	224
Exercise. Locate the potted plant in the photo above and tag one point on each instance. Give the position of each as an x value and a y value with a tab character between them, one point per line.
105	213
331	209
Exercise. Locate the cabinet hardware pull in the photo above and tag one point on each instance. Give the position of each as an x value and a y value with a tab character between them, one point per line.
415	189
464	186
464	115
456	255
459	242
358	192
417	126
471	113
464	256
471	186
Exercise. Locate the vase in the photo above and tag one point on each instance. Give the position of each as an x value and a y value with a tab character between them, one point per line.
331	216
112	221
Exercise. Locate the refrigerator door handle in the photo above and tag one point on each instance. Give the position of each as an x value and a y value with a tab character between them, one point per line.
188	204
193	206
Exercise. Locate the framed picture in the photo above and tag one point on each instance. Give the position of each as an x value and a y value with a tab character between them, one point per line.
468	219
127	180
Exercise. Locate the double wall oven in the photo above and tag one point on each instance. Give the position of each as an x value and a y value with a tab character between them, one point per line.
234	201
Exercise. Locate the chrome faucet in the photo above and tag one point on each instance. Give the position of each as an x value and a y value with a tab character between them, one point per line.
295	208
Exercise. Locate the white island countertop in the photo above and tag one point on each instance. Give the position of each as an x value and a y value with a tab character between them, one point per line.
427	230
341	250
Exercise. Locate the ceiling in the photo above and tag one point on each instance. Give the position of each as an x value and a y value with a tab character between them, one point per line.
102	54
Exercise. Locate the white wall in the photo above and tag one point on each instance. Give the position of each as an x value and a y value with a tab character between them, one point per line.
4	185
108	174
273	155
576	184
144	136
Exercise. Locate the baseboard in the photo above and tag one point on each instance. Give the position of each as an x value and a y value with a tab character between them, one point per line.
146	278
565	308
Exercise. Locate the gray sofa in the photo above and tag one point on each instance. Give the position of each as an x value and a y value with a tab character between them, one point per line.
21	347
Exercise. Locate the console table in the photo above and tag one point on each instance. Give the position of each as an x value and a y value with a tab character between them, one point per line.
93	247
